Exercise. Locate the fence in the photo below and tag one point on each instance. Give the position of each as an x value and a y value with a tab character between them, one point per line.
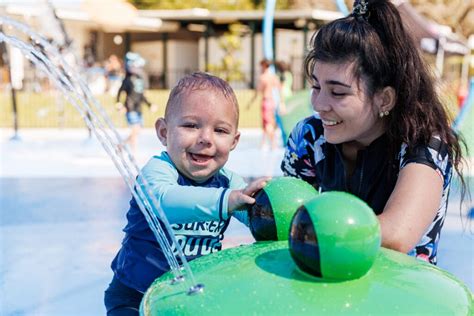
49	109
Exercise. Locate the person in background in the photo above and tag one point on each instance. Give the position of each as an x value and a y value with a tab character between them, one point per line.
197	194
286	79
113	73
269	87
134	87
380	130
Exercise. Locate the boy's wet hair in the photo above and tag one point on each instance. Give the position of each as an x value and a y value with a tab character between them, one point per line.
201	81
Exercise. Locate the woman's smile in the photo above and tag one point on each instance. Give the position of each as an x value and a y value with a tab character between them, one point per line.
327	123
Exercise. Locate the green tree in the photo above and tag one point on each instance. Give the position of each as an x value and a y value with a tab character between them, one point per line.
229	67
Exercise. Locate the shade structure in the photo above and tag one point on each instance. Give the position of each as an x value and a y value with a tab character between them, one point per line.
112	15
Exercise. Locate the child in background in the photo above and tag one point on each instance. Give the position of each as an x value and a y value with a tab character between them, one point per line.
113	73
286	79
197	194
134	87
270	88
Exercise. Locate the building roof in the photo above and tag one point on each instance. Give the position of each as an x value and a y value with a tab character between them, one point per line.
85	11
427	32
430	33
198	14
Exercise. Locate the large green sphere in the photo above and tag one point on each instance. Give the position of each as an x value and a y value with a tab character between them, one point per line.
335	236
275	205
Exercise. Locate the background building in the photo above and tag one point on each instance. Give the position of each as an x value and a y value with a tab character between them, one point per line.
175	42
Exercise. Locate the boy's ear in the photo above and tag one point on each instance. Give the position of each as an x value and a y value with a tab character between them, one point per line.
385	99
161	130
235	141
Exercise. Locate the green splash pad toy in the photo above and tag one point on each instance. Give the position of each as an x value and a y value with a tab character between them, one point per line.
332	264
262	279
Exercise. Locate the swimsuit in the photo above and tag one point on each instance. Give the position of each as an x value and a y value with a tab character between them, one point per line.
309	157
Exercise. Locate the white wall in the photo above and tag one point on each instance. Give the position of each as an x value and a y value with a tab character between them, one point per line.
79	33
289	48
152	52
183	56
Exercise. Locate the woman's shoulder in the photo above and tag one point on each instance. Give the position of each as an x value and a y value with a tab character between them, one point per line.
312	120
434	154
309	128
435	149
307	140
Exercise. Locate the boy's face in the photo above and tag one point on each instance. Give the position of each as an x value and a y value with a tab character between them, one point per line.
199	133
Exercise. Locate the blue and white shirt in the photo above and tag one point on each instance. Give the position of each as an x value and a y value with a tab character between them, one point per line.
197	213
309	157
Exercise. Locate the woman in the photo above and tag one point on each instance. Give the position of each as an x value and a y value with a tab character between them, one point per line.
379	131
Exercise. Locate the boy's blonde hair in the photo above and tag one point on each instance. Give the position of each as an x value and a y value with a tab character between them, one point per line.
200	81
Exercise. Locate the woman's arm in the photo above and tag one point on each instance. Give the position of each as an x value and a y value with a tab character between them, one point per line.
412	206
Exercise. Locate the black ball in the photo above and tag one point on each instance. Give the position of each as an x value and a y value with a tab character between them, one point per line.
262	219
270	216
303	243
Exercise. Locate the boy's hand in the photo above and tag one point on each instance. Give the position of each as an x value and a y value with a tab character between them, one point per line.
239	198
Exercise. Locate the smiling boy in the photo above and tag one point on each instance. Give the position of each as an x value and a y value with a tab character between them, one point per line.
197	194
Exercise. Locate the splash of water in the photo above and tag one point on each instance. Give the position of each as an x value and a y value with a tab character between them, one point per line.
48	59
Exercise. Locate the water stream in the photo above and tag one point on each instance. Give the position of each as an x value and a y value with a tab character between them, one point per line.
48	59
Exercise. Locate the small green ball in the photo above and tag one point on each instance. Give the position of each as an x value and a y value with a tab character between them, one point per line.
335	236
275	205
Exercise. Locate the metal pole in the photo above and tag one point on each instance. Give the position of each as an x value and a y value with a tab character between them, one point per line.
165	60
6	62
128	42
305	51
440	56
252	55
274	46
15	109
206	47
14	105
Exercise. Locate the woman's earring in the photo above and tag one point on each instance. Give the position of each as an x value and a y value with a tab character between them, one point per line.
383	113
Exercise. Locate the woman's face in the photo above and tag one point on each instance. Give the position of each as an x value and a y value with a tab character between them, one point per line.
347	112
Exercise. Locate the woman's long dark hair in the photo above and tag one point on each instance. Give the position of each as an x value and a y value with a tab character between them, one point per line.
385	54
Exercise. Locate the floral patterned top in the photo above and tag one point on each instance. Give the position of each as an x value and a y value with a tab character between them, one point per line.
308	156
